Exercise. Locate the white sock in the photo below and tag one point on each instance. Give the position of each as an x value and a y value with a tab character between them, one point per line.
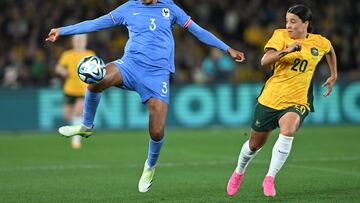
280	153
246	155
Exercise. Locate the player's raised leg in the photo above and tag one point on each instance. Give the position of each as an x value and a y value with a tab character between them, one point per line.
289	124
157	118
92	98
248	151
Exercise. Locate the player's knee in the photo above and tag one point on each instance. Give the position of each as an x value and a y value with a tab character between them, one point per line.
156	133
288	131
105	83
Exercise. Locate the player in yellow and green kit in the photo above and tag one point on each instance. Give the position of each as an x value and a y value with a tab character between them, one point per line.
74	88
286	98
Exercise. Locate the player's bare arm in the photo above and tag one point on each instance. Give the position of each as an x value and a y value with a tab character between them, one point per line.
60	70
208	38
330	81
271	55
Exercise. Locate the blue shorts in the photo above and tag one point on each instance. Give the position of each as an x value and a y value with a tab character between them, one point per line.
148	83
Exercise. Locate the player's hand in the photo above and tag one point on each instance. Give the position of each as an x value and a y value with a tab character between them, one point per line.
294	47
329	83
236	55
53	35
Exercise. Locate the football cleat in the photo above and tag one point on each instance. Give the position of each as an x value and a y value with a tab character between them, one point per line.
234	183
72	130
146	179
268	186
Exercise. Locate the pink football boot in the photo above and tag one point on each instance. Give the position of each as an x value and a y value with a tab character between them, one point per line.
234	183
268	186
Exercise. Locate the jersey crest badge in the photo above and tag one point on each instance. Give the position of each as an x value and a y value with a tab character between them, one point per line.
314	51
257	123
166	12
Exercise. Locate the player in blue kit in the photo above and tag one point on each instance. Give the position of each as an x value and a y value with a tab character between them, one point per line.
145	66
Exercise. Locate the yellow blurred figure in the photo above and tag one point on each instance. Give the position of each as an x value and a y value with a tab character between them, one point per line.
74	88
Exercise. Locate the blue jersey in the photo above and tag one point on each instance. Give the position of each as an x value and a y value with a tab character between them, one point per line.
151	43
150	31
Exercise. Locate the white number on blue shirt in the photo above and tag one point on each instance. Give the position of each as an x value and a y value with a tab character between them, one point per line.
153	25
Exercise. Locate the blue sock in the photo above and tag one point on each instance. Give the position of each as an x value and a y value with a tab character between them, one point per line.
90	105
154	151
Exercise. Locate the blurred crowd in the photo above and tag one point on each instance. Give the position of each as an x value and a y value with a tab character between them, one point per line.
26	60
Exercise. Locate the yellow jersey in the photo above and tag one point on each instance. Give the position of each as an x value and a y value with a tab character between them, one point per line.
70	59
291	82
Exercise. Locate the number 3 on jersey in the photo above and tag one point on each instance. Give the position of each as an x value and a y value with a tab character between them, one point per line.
152	24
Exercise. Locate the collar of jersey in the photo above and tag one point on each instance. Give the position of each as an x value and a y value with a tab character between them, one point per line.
159	1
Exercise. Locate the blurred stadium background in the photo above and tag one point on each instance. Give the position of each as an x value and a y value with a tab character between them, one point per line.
209	92
208	88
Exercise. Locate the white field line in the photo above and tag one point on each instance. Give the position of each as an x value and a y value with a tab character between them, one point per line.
294	163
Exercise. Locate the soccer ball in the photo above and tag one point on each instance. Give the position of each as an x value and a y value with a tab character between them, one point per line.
91	69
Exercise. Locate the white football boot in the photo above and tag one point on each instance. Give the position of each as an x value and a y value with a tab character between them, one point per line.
71	130
146	179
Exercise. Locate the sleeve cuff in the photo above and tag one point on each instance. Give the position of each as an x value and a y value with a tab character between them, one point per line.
188	22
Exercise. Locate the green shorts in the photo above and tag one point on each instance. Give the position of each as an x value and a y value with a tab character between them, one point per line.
267	119
68	99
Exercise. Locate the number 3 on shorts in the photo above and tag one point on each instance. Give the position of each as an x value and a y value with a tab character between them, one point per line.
164	88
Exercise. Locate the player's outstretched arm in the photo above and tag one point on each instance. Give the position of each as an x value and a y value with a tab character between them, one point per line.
97	24
208	38
331	60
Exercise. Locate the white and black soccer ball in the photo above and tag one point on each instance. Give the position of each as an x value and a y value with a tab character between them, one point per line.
91	69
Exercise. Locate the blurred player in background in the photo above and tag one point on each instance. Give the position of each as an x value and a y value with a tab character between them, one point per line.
145	67
74	88
287	97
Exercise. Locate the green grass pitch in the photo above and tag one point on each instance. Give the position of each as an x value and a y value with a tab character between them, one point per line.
324	166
